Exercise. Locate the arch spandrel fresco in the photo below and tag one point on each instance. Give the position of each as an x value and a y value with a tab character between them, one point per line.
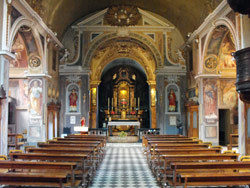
218	57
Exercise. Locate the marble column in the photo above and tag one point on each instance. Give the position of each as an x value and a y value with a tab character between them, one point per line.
85	99
245	43
93	104
152	92
5	58
4	81
160	107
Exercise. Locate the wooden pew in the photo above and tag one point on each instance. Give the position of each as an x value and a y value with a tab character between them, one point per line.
15	141
45	167
231	144
187	151
35	179
205	167
98	151
81	159
214	179
162	163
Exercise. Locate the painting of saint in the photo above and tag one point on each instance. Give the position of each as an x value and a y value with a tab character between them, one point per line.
210	99
73	100
30	42
228	94
226	58
36	97
172	101
19	49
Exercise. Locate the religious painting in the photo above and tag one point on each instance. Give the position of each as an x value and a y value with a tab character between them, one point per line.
73	99
19	49
228	95
172	99
29	41
215	40
226	58
35	97
18	89
210	100
210	131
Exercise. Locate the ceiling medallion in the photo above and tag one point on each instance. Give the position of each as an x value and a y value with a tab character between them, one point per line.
122	15
34	61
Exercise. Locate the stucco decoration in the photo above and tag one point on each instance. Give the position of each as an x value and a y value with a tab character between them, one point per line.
120	48
122	15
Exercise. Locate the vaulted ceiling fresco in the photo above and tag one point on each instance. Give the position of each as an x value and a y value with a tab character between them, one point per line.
186	15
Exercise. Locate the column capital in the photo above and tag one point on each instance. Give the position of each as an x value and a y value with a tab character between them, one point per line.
151	83
94	83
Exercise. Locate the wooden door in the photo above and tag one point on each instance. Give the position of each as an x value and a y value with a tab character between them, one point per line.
193	121
247	128
53	120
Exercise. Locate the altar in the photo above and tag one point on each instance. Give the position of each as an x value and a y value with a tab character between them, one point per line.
126	126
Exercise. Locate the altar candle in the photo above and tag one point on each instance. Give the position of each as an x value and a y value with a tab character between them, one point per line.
108	103
138	103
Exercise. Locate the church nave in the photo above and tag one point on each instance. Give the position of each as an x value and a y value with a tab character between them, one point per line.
124	166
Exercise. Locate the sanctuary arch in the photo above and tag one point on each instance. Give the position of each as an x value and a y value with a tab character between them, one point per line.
122	47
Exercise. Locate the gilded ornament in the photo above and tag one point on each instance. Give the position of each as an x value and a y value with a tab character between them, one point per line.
211	63
122	15
34	61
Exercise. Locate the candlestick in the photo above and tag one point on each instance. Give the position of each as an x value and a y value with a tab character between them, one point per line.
112	103
138	103
108	103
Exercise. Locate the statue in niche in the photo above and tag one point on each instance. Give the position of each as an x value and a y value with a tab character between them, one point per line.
73	100
172	101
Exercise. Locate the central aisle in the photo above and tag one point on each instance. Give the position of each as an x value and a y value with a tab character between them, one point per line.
124	166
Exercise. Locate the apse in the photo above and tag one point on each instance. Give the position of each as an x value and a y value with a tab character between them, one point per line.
123	93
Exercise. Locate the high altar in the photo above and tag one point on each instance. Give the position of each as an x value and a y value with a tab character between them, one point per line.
123	106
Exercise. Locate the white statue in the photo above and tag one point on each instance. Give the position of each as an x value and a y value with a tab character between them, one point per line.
180	56
65	55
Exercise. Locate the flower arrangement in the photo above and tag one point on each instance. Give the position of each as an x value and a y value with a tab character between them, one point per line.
132	112
124	102
123	134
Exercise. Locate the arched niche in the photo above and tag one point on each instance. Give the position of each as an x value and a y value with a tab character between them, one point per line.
172	95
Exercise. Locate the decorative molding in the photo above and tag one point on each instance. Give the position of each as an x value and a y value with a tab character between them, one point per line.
207	76
73	79
173	78
122	15
76	70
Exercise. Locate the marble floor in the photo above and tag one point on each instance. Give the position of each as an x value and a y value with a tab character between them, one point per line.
124	166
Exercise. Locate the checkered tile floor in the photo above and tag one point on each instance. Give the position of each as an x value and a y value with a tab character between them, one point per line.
124	166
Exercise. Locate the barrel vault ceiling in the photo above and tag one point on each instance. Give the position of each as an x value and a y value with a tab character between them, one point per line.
186	15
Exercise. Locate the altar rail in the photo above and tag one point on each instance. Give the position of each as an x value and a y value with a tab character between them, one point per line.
146	131
98	131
